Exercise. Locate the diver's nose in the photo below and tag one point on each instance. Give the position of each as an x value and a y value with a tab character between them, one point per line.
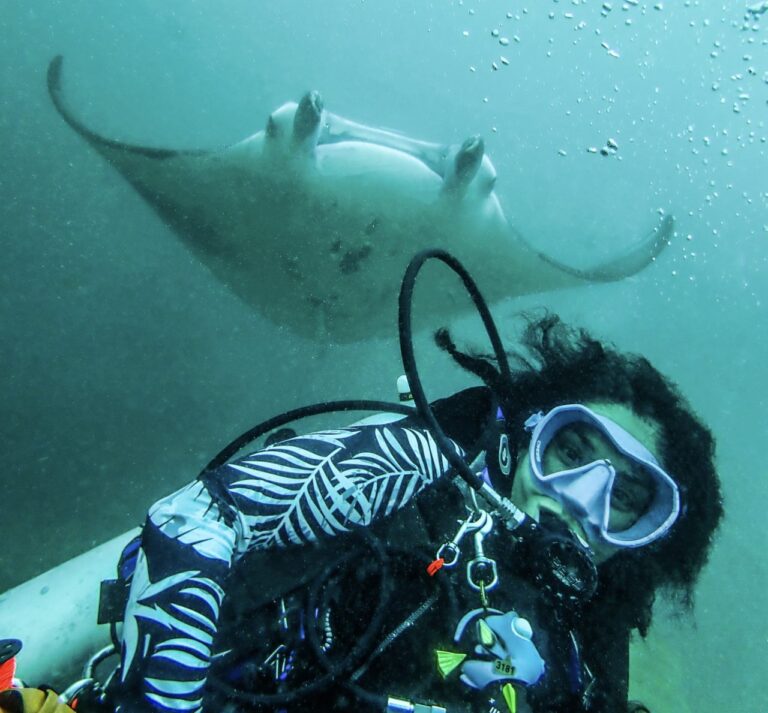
556	508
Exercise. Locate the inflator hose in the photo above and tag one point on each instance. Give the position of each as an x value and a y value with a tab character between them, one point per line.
405	305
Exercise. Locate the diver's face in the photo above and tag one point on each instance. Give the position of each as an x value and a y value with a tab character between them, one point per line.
579	444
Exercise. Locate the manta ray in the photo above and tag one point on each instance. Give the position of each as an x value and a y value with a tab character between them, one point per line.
312	220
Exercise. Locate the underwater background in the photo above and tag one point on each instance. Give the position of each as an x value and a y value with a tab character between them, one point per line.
124	366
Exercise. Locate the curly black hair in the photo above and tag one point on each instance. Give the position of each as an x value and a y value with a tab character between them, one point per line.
558	364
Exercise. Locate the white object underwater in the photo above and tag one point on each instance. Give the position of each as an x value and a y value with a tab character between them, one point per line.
54	615
313	220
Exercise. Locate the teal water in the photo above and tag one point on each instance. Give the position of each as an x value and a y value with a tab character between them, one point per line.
124	366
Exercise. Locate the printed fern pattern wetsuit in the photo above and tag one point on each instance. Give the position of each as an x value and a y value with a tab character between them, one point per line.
294	492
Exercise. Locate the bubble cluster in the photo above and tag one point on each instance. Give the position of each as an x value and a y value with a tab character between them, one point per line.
727	60
610	148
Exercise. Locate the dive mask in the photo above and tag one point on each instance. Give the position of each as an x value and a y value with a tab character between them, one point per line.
586	491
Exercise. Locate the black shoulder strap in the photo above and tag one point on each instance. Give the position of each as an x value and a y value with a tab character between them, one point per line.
465	417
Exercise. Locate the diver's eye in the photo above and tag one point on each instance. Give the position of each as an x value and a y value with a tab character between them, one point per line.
631	494
623	500
571	454
570	449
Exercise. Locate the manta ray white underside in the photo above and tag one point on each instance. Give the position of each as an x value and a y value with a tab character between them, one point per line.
313	220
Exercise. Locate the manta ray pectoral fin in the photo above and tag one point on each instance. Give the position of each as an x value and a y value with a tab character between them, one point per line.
107	147
184	187
628	263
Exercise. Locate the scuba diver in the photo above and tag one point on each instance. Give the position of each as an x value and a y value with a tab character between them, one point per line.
353	569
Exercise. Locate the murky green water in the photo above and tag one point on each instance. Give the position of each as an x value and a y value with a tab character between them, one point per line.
124	365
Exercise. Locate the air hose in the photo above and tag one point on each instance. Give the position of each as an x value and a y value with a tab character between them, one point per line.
513	516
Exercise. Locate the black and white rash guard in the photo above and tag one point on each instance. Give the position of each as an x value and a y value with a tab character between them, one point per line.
291	493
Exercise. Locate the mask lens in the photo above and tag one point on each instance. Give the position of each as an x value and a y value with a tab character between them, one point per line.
579	444
572	446
603	475
632	495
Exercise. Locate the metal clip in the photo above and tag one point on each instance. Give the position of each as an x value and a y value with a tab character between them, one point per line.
450	551
482	573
